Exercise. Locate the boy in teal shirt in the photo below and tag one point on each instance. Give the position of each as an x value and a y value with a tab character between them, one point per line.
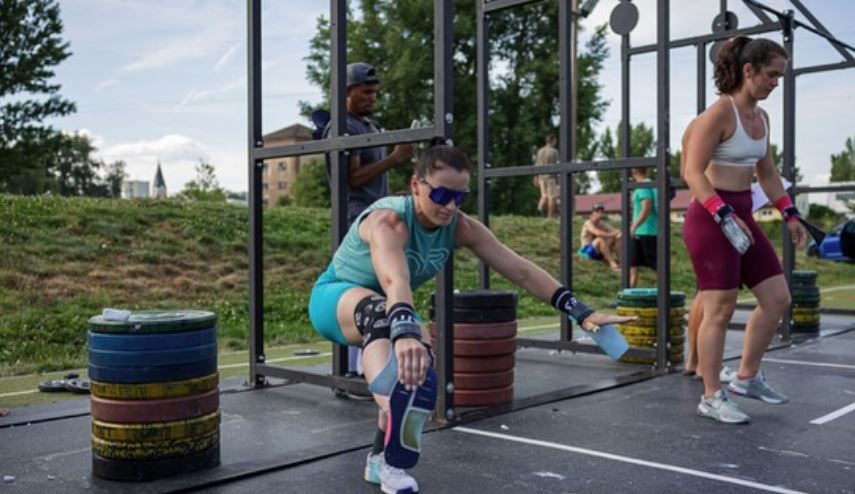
644	227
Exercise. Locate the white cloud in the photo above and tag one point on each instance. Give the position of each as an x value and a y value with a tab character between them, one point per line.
200	95
106	84
227	57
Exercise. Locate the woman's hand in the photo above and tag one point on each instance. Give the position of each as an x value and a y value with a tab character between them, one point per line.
597	319
798	233
741	224
413	362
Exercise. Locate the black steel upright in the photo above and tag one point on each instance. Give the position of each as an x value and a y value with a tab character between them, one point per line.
338	159
663	155
443	119
482	33
566	130
789	164
255	168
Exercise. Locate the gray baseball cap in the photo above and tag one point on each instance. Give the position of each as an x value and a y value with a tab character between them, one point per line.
361	73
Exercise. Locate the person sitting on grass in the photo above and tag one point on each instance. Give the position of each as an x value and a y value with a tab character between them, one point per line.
599	239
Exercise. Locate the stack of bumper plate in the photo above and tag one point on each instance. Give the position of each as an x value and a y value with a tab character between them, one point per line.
641	303
485	330
155	394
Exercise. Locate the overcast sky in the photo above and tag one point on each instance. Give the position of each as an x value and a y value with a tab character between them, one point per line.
166	79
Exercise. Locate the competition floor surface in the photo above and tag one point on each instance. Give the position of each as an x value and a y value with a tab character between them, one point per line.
578	424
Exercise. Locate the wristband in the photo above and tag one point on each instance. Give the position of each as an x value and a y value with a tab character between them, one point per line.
785	206
402	322
713	204
564	301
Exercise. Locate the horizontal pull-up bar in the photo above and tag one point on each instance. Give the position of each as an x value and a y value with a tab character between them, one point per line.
570	167
343	143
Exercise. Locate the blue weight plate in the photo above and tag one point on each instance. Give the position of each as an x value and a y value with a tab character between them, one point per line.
144	358
151	341
152	374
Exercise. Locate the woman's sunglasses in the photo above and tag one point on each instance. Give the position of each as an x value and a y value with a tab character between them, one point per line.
444	195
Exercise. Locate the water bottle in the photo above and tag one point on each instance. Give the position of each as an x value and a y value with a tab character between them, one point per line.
738	239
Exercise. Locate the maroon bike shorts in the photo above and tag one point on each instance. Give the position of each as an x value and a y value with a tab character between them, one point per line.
717	264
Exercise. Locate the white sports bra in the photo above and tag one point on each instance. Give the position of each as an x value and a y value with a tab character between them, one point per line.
740	149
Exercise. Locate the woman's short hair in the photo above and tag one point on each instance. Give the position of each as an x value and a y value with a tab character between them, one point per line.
448	155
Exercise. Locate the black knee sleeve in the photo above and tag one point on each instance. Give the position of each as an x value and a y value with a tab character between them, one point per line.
370	319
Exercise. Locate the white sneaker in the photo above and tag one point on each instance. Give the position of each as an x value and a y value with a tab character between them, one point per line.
727	374
718	407
392	480
758	389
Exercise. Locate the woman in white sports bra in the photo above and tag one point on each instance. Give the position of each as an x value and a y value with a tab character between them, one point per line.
725	147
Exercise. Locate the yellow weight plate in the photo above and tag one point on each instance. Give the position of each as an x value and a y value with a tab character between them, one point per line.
805	319
804	312
634	329
649	341
155	391
650	332
154	450
647	311
158	431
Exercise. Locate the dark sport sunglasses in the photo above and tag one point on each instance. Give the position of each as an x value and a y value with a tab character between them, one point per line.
444	195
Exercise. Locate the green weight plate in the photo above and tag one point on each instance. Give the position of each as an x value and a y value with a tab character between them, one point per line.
803	275
806	312
805	305
156	321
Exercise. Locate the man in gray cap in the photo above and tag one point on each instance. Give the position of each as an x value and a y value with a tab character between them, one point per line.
367	167
367	177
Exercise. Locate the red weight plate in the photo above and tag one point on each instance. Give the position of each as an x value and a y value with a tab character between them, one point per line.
484	364
483	331
148	411
484	348
469	380
482	397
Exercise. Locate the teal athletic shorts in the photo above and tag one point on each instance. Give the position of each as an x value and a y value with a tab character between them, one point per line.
323	303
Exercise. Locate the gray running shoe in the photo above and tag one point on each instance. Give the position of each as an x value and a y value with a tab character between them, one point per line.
727	374
757	388
718	407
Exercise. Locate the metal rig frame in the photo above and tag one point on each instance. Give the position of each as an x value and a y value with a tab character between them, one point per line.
338	143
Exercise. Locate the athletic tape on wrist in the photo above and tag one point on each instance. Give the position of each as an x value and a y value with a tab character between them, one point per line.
402	322
713	203
564	301
785	205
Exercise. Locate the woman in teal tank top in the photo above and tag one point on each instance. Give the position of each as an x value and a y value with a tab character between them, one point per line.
366	294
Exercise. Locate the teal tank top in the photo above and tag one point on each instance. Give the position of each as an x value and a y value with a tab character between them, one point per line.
426	250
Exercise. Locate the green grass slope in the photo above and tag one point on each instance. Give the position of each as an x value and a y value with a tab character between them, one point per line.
64	259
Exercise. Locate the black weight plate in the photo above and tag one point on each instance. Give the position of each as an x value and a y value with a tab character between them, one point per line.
714	49
52	386
481	299
726	21
79	386
154	469
624	18
501	314
156	321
